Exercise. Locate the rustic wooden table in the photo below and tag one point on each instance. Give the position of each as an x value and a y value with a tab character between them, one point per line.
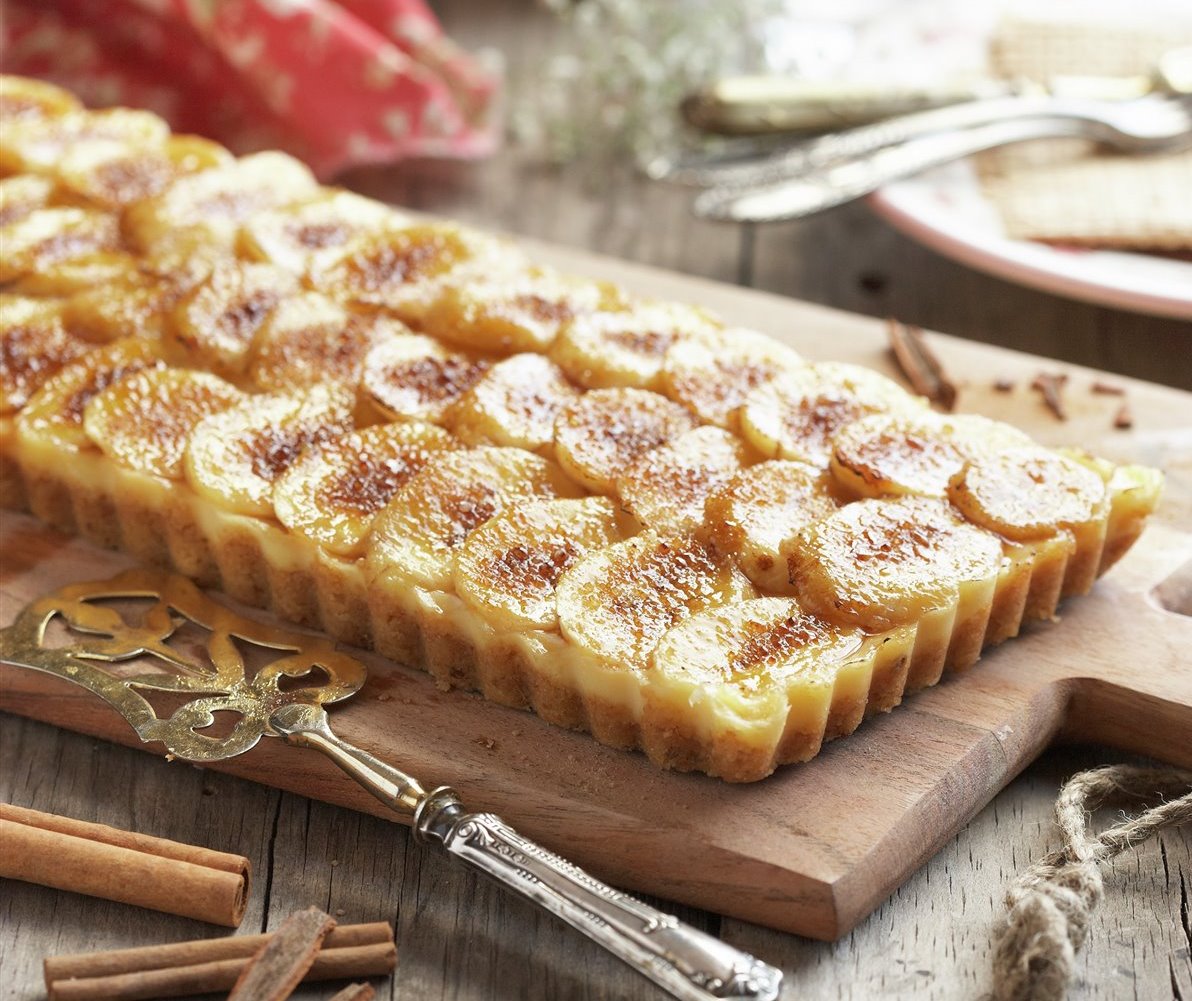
460	938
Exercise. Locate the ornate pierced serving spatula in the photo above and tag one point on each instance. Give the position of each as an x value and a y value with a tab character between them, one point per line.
148	632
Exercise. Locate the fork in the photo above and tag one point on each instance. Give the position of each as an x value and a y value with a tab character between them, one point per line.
1151	124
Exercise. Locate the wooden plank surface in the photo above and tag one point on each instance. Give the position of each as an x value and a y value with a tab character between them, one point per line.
461	939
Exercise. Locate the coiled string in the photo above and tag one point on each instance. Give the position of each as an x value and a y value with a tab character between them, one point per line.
1050	905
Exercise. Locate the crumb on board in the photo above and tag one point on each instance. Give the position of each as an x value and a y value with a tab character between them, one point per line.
1103	388
486	742
1004	385
1123	420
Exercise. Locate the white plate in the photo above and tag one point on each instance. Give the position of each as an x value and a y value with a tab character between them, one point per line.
947	211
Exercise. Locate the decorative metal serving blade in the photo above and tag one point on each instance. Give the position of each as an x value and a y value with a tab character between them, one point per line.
148	631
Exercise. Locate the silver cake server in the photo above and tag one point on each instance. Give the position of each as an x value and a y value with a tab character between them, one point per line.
78	634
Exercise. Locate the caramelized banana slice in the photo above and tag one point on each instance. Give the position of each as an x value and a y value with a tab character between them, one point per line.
23	99
403	270
132	303
878	564
113	174
415	538
215	323
523	311
48	236
207	208
411	377
603	431
331	494
54	413
1031	494
618	602
768	681
755	647
88	273
712	374
666	488
34	344
886	454
507	568
22	195
144	421
797	416
310	339
38	145
1027	493
308	236
625	347
761	507
514	404
234	457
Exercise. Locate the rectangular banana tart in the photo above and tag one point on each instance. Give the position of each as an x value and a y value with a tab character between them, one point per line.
622	514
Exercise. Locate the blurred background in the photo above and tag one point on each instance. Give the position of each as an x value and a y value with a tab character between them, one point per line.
544	118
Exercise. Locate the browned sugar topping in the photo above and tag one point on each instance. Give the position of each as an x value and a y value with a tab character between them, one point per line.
893	542
273	450
466	510
398	264
653	344
886	455
771	643
534	571
232	205
317	235
370	483
242	318
674	577
16	209
126	179
435	379
31	354
815	422
312	354
543	309
70	243
74	405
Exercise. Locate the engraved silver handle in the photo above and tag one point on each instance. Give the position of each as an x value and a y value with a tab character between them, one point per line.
691	965
687	962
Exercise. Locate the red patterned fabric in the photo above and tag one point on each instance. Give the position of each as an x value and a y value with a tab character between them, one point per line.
336	83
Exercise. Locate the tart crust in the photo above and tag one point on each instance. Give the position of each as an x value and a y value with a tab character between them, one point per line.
736	647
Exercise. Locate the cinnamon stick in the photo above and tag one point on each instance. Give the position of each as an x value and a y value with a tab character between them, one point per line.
355	992
280	964
347	963
919	364
205	950
131	868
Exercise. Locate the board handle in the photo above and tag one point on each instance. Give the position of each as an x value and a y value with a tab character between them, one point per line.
690	964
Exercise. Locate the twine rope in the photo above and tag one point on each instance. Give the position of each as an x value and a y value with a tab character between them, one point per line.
1050	905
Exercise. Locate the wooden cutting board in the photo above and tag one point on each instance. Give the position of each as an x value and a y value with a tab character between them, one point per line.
816	847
